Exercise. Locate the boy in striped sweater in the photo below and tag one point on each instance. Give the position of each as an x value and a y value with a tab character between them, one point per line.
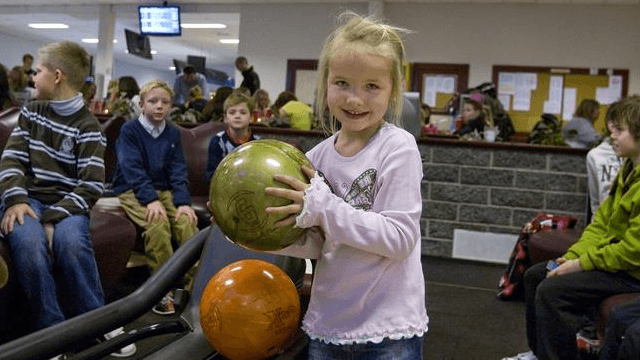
51	174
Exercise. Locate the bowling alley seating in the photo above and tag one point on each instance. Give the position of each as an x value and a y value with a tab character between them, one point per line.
113	239
553	243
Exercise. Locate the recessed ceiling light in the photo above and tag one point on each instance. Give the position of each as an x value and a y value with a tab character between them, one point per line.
48	26
172	68
95	41
230	41
203	26
153	52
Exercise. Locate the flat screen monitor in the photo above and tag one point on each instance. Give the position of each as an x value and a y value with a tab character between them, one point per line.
138	45
159	20
197	62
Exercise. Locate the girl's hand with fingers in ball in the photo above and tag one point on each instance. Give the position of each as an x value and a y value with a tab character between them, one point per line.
295	194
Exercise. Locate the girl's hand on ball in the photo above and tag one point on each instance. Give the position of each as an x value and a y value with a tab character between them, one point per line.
295	194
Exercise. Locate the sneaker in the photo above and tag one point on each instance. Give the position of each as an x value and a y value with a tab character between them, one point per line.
125	351
165	306
522	356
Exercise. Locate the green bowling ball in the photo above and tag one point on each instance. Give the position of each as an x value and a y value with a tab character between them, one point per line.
238	199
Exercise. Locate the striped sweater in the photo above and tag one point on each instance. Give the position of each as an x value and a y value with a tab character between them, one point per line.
58	160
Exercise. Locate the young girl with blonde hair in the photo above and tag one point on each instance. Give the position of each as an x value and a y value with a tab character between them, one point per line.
363	205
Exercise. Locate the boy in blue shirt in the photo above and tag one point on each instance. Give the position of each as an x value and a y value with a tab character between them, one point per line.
238	110
51	175
151	180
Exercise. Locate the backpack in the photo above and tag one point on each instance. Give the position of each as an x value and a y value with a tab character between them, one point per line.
547	131
510	284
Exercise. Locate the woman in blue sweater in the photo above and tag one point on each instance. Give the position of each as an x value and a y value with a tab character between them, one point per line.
151	180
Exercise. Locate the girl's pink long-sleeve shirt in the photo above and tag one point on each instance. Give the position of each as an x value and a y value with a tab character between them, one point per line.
363	214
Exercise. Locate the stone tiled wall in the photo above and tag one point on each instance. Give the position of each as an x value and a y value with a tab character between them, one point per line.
495	188
489	187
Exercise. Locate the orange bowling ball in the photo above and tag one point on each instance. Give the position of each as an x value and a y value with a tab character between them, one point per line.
249	310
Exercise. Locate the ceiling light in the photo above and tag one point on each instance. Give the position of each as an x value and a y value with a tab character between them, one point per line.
204	26
153	52
48	26
173	68
95	41
230	41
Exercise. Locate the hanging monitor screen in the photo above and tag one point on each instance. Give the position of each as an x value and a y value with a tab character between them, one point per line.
138	45
160	20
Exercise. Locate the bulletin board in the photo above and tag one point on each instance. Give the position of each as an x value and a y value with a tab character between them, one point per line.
439	83
556	90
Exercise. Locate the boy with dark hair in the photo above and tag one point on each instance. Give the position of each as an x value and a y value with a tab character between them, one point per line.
51	174
238	112
603	262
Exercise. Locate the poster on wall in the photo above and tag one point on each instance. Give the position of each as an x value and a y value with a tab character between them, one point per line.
434	84
569	103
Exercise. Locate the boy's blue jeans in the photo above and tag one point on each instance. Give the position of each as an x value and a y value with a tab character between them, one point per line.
71	274
403	349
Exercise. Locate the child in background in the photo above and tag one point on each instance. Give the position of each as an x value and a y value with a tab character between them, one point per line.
473	117
602	166
603	262
151	180
363	205
196	99
262	111
52	173
238	109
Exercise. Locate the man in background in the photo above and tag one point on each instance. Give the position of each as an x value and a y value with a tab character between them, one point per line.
27	71
185	82
251	80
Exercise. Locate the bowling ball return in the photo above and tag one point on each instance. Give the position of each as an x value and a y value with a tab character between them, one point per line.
213	251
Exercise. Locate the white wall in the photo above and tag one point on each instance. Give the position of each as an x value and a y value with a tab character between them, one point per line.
272	33
481	35
484	35
18	47
140	73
